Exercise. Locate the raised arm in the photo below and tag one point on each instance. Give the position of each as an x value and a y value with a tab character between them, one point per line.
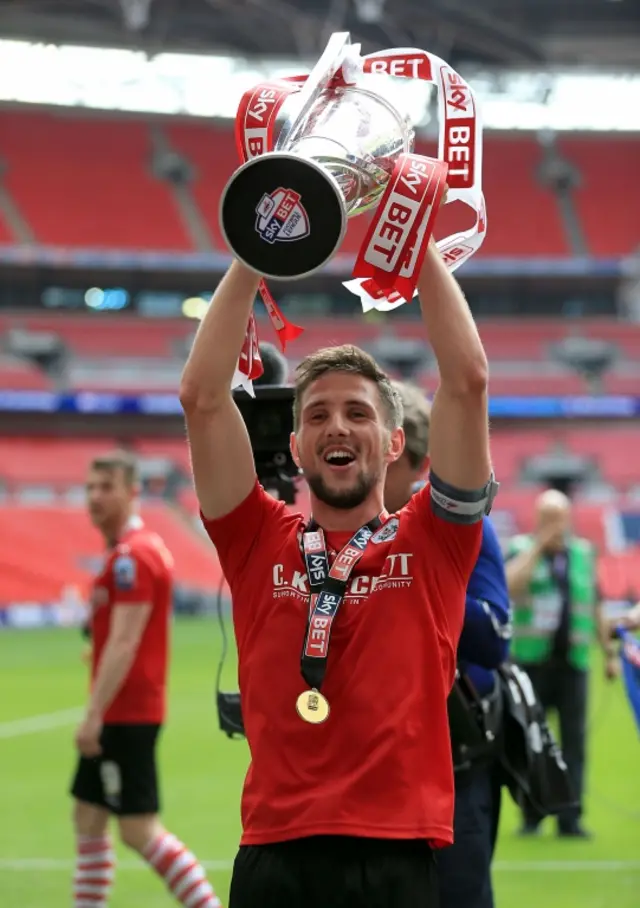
459	437
221	456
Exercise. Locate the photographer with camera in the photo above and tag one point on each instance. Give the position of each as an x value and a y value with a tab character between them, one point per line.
464	869
350	786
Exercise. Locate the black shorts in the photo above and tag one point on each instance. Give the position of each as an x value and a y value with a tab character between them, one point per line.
339	871
124	778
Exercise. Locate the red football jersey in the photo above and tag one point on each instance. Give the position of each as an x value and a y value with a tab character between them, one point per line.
381	765
137	571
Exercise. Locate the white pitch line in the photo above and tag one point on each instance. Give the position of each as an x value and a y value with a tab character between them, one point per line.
565	866
45	722
29	865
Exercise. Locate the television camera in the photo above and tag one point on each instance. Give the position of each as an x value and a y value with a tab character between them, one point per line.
269	421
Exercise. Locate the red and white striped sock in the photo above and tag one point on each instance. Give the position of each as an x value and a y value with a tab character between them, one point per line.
95	866
181	871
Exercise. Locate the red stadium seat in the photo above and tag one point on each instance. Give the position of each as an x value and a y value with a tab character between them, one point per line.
188	501
94	187
616	451
212	151
46	549
110	335
21	375
57	462
174	449
619	576
534	384
510	449
98	174
197	565
607	208
588	521
6	235
523	217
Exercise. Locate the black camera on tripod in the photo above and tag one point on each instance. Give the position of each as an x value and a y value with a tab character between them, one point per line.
269	421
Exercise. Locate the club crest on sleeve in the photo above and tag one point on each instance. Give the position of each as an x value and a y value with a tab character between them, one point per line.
124	572
387	532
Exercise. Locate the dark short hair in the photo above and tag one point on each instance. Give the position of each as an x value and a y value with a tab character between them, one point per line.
355	361
121	460
417	420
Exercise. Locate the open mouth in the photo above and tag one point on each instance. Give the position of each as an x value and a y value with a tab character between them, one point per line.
339	458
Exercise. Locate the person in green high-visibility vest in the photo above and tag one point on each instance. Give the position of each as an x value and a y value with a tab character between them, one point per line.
551	575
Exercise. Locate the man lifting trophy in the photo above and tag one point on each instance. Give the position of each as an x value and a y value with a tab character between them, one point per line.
345	149
347	624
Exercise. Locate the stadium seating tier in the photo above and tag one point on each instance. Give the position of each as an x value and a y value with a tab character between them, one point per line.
49	548
85	181
98	173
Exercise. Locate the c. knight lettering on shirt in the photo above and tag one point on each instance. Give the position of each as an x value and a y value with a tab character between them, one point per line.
396	573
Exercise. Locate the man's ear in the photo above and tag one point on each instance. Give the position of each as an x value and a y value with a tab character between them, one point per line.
396	446
293	446
424	466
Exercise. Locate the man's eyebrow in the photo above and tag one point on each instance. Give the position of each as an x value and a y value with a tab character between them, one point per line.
352	402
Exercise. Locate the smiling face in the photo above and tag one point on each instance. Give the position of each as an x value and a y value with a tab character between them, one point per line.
344	443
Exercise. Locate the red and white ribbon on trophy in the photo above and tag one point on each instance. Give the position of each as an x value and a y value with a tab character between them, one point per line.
254	126
386	285
389	262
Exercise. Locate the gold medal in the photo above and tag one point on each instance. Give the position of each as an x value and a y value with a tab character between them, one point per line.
312	707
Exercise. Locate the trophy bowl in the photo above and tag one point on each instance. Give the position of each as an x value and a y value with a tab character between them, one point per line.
284	213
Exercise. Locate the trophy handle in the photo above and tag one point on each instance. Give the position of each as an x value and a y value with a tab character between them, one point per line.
317	81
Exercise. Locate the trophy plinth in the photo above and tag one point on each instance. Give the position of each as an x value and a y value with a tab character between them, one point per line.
282	215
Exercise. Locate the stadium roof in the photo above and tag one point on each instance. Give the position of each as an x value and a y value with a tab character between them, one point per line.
511	32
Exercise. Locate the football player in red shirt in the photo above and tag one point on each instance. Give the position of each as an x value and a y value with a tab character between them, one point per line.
116	773
347	628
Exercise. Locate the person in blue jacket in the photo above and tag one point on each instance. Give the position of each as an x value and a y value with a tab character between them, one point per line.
464	869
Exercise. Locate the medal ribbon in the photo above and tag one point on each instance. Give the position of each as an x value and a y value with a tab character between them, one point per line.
388	264
328	584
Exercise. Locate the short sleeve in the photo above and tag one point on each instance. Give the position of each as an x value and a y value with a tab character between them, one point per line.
133	579
236	534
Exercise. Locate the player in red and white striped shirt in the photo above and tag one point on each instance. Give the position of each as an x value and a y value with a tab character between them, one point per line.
116	772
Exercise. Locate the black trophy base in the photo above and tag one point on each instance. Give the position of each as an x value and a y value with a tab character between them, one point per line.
282	216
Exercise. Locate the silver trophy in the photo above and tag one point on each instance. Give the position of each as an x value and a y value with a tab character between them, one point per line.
284	212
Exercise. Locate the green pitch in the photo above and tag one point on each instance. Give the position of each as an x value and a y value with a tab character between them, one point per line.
42	676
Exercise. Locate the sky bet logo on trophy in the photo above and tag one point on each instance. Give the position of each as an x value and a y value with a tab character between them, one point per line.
345	149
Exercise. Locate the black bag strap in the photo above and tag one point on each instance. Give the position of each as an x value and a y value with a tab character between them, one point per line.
534	769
